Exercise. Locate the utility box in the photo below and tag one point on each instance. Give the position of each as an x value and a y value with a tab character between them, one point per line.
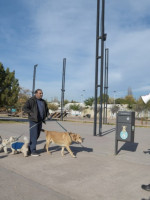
125	126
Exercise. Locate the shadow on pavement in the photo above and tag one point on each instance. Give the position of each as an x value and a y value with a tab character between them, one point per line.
41	141
148	151
75	150
108	131
129	146
3	156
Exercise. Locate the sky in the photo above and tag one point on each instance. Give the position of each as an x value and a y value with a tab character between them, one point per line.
44	32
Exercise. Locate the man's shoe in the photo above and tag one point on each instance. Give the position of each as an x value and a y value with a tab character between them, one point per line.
34	154
146	187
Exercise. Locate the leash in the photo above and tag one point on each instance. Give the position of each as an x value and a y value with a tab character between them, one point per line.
50	119
64	129
29	129
61	126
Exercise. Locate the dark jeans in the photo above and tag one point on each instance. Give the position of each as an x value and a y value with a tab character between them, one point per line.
35	128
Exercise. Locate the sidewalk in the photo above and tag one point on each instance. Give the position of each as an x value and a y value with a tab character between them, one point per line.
95	174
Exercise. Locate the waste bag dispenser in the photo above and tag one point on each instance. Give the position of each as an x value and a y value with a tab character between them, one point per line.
125	126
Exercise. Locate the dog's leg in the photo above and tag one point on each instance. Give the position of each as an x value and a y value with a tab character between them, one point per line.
5	150
44	147
13	151
24	150
71	153
47	145
62	151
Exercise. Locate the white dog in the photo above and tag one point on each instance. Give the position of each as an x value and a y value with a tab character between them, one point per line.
5	143
20	147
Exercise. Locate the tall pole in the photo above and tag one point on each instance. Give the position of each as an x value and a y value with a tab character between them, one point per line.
106	86
103	38
96	67
34	73
63	88
114	96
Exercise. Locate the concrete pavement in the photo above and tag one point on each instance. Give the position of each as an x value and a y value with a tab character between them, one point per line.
95	174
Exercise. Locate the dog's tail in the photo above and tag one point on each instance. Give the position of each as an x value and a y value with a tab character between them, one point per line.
26	140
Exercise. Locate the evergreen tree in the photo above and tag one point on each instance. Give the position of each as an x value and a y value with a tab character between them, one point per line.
9	87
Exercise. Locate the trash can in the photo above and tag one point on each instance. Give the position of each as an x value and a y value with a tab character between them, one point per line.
125	126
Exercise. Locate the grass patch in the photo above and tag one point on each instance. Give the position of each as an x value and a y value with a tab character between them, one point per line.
10	122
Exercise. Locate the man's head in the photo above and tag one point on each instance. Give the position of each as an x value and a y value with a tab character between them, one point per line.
38	94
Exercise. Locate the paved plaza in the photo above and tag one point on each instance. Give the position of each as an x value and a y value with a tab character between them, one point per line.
96	173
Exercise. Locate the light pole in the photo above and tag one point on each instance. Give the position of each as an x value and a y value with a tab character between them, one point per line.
34	72
114	96
63	88
83	95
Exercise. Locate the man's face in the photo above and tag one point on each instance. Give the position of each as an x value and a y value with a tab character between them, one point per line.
39	94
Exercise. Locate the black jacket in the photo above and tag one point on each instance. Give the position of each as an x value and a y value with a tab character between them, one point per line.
31	108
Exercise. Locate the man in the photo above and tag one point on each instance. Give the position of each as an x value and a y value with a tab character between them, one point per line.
146	187
37	110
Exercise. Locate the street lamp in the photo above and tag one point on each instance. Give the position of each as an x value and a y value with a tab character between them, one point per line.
83	95
34	72
114	96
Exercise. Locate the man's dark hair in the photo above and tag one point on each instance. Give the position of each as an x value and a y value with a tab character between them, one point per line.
36	91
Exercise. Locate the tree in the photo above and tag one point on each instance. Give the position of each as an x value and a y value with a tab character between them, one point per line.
89	101
130	101
66	101
75	107
9	87
129	91
52	106
23	96
103	97
120	101
72	101
139	106
114	109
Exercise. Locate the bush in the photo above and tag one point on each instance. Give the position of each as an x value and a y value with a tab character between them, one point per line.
52	106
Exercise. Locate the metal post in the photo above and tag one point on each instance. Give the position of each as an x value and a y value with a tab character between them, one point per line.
106	86
96	67
103	38
63	88
114	97
34	73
